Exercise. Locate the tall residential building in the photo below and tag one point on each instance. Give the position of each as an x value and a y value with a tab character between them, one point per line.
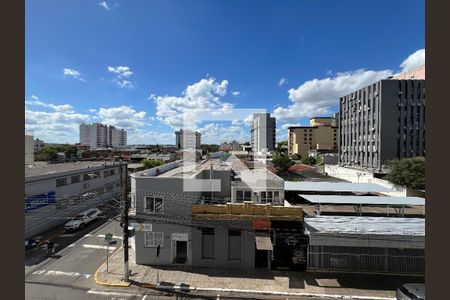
99	135
382	121
321	135
263	136
187	139
29	148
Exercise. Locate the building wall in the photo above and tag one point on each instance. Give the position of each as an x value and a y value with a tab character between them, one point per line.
323	121
186	139
101	136
383	121
263	134
29	149
302	139
220	259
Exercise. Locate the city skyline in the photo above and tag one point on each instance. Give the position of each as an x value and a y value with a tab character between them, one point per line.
139	66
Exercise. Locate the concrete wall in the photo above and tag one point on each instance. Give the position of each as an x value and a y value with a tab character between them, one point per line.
29	149
221	250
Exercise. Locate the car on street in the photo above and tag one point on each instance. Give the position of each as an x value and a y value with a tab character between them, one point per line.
82	219
30	243
411	291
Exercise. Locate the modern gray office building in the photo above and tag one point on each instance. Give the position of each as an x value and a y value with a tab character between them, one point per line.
382	121
263	134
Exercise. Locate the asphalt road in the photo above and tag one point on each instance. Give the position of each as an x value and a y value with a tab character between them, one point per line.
69	274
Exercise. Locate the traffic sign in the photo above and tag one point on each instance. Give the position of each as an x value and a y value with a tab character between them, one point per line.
108	236
141	226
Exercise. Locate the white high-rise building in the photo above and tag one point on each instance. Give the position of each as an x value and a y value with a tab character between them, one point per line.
99	135
187	139
263	132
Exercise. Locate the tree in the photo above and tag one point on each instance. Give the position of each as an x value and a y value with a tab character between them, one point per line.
296	156
309	160
282	163
409	172
151	163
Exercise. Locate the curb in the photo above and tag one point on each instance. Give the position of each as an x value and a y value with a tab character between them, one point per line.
103	283
274	293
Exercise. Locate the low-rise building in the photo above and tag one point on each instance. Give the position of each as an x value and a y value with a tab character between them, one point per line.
54	192
213	214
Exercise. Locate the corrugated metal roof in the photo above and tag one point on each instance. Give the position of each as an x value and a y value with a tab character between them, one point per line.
370	200
365	225
335	187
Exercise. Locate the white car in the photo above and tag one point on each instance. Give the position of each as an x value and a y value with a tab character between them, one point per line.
82	219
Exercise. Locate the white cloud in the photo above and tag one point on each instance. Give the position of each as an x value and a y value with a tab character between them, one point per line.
105	5
282	81
122	73
123	116
196	98
73	73
317	96
65	108
214	133
236	93
415	60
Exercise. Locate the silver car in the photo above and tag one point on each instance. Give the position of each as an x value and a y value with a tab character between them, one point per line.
411	291
82	219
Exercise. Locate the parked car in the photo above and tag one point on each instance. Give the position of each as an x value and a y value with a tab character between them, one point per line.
411	291
30	243
82	219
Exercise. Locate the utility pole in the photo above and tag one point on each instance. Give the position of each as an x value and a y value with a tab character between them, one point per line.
124	185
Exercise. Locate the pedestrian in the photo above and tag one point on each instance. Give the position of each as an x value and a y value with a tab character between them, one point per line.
50	248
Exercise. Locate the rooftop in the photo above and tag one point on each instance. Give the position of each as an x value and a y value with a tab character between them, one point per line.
47	169
326	186
366	225
369	200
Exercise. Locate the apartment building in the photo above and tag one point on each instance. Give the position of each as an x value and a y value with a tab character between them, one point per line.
320	136
263	133
209	215
99	135
187	139
381	122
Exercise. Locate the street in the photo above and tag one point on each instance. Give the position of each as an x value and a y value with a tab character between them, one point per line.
69	274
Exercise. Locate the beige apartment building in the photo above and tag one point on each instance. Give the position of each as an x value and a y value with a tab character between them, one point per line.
321	135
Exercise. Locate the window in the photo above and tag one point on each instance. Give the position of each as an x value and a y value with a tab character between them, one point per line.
263	197
207	243
270	197
234	244
112	172
247	196
97	174
87	177
61	182
105	173
276	196
154	204
239	196
75	179
153	239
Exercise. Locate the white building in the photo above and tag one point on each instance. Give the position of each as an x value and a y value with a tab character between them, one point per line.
99	135
263	133
187	139
29	149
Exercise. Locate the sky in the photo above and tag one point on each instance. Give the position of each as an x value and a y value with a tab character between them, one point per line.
147	65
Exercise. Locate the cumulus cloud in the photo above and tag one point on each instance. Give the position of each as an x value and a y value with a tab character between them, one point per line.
415	60
317	96
236	93
61	123
199	97
123	116
122	76
214	133
72	73
282	81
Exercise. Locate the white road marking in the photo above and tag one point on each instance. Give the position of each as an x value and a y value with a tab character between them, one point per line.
114	236
108	293
98	247
71	245
143	298
60	273
67	235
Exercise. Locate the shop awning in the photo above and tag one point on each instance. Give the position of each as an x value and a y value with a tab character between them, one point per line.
263	242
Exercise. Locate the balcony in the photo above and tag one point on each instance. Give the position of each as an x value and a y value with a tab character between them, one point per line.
246	211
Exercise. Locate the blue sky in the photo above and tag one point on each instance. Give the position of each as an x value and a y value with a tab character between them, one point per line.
143	65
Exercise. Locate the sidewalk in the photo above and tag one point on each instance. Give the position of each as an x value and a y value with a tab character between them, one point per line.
336	285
